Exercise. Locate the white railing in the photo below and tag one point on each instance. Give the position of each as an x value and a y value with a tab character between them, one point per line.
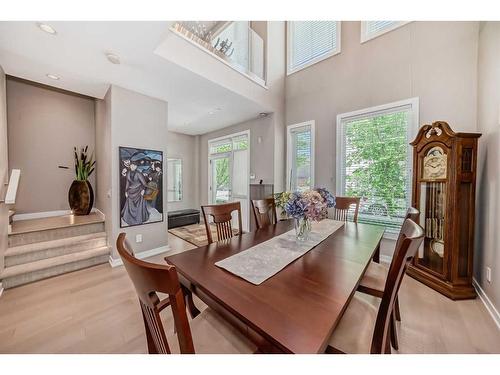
10	196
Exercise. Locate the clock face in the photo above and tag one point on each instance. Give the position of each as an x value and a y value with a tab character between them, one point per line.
435	163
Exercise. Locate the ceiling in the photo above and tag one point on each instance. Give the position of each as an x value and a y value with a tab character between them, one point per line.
77	55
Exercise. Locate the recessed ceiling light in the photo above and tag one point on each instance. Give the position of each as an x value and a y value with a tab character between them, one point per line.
47	28
53	76
113	58
211	112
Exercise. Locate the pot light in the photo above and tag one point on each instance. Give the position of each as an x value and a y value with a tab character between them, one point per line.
53	76
47	28
113	58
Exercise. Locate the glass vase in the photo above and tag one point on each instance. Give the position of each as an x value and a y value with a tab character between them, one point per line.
302	229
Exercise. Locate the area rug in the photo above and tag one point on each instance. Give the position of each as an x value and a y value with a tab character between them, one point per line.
195	233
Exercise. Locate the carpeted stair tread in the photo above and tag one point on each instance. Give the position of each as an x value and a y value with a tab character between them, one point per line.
52	262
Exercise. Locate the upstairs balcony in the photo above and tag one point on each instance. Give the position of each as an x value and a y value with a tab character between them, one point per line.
238	44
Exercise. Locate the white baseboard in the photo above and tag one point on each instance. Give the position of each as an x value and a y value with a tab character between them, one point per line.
144	254
386	258
40	215
487	302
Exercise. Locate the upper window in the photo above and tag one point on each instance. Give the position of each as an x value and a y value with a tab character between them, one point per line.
373	29
300	156
374	160
309	42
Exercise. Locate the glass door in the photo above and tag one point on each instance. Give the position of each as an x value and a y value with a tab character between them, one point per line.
229	174
221	187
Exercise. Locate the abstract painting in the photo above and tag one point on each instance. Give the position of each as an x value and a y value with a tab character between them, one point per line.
141	186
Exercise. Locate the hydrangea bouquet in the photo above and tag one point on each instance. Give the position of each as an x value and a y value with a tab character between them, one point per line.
305	207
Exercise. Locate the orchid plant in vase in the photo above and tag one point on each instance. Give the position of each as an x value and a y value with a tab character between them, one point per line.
305	207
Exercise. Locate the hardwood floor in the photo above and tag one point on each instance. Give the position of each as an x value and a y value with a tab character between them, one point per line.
95	310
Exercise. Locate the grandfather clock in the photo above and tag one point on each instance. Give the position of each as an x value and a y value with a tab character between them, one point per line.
444	185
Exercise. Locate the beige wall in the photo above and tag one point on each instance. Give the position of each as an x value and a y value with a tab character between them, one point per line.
435	61
184	147
103	157
44	126
488	182
4	168
261	154
136	121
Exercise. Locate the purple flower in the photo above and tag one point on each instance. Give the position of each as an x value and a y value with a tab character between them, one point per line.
327	197
295	207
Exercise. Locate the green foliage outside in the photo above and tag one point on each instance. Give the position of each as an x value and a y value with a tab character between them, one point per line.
376	160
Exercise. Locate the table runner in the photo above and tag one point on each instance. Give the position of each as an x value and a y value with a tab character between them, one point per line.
262	261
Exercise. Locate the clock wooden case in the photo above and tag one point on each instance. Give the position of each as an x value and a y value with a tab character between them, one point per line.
444	185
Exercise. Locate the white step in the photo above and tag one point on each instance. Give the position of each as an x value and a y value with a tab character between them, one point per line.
41	269
49	249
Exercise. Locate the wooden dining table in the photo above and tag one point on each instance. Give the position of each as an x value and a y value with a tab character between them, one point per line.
297	309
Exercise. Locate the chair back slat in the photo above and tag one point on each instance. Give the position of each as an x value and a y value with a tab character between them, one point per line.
346	207
150	279
264	211
221	215
410	239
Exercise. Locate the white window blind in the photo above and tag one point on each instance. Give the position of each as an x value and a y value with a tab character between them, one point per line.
375	161
373	29
300	157
310	42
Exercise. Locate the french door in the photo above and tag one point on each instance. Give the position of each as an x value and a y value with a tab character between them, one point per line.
229	173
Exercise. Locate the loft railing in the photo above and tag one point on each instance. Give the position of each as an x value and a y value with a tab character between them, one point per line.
233	42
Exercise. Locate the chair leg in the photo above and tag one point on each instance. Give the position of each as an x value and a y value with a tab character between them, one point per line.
394	333
396	310
193	310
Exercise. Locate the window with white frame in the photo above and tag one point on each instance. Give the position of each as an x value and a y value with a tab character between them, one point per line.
300	156
373	29
309	42
374	160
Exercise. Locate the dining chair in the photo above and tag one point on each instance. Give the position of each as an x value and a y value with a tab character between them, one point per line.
221	215
363	329
264	211
344	208
373	281
212	333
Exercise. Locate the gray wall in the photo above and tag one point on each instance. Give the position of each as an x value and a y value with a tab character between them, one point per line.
435	61
261	154
4	168
136	121
44	126
182	146
488	182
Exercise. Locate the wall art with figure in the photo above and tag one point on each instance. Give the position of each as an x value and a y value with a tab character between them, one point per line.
141	181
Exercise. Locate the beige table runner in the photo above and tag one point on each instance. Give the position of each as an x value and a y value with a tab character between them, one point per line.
266	259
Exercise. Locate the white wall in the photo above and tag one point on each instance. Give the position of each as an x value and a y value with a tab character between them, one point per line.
44	126
184	147
4	168
487	249
435	61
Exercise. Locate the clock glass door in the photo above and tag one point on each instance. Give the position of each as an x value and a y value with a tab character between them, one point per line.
432	206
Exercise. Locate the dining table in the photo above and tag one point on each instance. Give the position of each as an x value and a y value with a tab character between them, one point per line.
297	309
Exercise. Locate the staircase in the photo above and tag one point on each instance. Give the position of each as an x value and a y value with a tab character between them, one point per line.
41	248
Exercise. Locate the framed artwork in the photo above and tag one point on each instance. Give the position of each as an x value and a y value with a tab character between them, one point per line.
141	186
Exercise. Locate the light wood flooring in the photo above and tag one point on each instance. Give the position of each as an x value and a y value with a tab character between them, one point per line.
95	310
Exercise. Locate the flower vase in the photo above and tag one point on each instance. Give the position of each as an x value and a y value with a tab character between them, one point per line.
302	229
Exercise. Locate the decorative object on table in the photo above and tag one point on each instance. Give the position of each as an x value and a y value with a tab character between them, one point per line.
306	206
444	184
81	194
141	186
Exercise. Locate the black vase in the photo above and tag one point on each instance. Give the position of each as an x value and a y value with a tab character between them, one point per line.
81	197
